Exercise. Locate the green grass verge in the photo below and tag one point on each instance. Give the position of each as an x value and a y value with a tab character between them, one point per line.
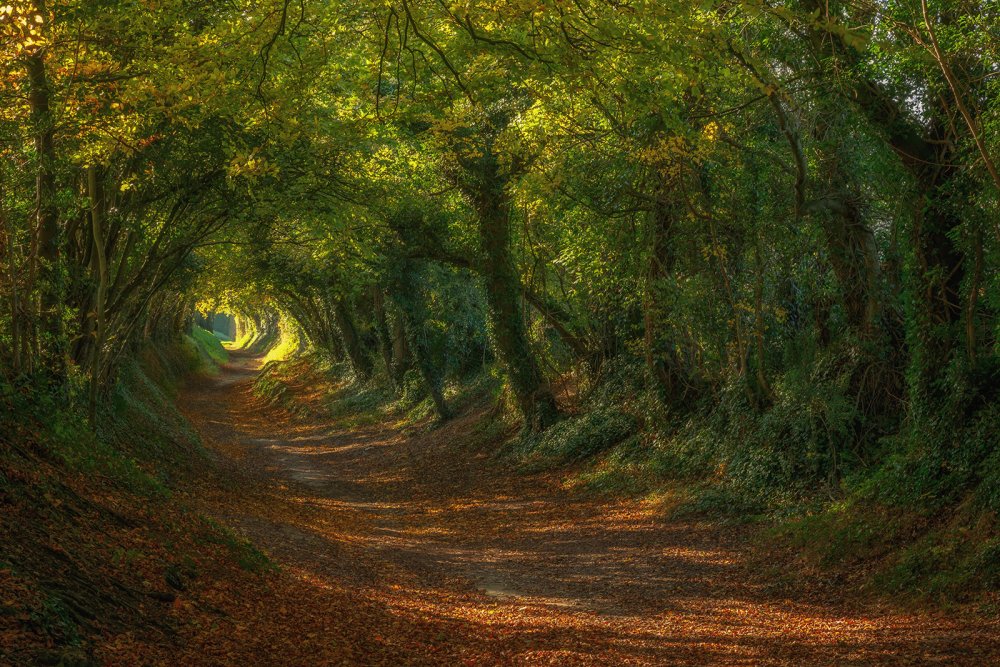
209	347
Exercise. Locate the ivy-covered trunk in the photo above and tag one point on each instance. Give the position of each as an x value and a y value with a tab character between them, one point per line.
360	363
936	260
665	366
502	283
929	151
402	358
851	245
412	307
938	274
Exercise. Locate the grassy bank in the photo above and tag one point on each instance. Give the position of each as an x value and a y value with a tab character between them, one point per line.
98	547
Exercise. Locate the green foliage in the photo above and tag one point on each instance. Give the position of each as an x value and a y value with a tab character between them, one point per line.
359	404
844	534
758	459
900	552
626	469
413	390
139	435
209	348
289	342
141	405
573	439
931	466
70	440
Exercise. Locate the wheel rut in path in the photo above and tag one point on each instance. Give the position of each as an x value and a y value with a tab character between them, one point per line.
472	565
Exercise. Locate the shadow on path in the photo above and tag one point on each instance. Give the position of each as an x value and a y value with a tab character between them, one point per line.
478	567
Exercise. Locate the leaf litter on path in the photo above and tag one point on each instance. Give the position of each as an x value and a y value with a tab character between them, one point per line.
396	549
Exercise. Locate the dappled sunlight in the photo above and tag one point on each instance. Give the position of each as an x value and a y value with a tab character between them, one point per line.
467	565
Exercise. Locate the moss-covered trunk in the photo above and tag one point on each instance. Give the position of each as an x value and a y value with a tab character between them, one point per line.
502	283
412	308
360	362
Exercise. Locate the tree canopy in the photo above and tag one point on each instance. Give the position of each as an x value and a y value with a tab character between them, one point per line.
780	214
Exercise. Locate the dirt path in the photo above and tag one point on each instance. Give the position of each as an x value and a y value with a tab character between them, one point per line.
419	550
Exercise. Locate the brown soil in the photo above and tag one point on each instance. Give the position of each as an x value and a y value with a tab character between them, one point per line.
400	549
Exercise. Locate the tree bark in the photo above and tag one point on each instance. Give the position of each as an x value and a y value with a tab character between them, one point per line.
401	355
46	261
101	269
381	325
535	399
662	360
413	315
360	362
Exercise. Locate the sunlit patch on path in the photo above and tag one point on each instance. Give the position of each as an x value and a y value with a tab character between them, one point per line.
401	550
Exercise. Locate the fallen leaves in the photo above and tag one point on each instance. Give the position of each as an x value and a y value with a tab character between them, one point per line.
407	550
395	549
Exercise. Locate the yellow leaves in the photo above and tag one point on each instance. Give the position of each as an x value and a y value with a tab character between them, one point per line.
715	251
666	149
21	27
710	132
445	125
671	154
250	166
83	68
668	156
23	15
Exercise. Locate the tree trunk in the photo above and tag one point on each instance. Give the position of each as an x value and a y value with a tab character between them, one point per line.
533	394
853	253
360	362
411	305
100	265
401	355
930	152
665	365
46	264
381	325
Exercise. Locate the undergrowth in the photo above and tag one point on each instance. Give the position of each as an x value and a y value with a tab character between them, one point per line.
209	348
896	509
248	556
313	384
573	439
289	342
